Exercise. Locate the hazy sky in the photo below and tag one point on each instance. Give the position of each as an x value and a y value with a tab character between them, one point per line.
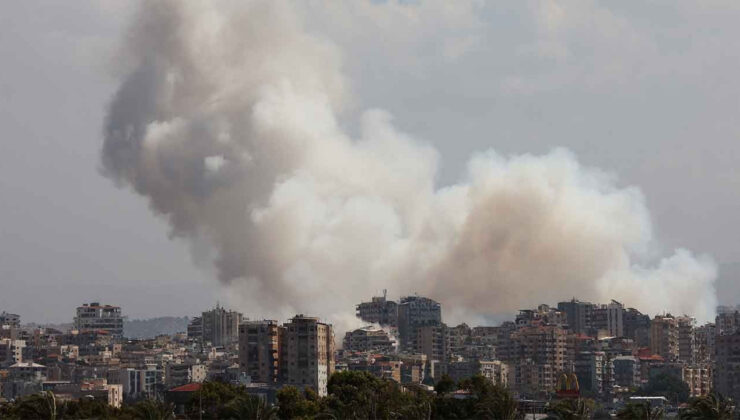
644	90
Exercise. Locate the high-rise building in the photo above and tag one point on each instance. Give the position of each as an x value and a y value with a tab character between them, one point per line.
705	339
432	341
96	317
379	310
664	337
415	312
727	365
727	321
615	319
221	327
594	371
637	327
307	353
259	350
543	351
686	340
578	314
195	328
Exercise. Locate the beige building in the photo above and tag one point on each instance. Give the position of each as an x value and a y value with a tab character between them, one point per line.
259	350
496	371
686	339
538	354
699	379
11	351
664	337
431	341
307	353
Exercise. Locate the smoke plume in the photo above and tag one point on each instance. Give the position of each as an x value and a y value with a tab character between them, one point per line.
229	120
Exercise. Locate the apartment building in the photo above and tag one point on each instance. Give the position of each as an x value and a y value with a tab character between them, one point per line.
727	365
259	350
97	317
432	341
220	326
699	379
542	351
705	339
307	353
415	312
686	339
579	315
664	337
379	310
369	339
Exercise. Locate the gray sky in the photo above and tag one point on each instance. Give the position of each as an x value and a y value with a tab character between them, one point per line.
645	90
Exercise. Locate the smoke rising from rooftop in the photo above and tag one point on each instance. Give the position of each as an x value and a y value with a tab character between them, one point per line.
230	120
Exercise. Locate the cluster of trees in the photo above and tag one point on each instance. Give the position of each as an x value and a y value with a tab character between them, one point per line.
353	395
672	387
360	395
45	406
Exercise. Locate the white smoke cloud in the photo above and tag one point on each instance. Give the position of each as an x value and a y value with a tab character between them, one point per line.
229	123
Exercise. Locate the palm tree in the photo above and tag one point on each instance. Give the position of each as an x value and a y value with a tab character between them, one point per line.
152	410
712	406
38	406
570	409
498	404
248	407
640	411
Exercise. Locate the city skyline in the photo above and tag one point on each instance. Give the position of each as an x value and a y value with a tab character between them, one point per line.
433	209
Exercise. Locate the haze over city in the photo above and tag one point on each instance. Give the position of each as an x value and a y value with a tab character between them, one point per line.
291	158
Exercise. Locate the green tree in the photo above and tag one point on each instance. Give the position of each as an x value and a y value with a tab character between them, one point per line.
491	401
712	406
445	384
37	406
212	397
149	409
666	385
640	411
294	405
87	408
353	395
247	407
447	407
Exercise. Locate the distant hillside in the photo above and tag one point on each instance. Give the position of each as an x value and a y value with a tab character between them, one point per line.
150	328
